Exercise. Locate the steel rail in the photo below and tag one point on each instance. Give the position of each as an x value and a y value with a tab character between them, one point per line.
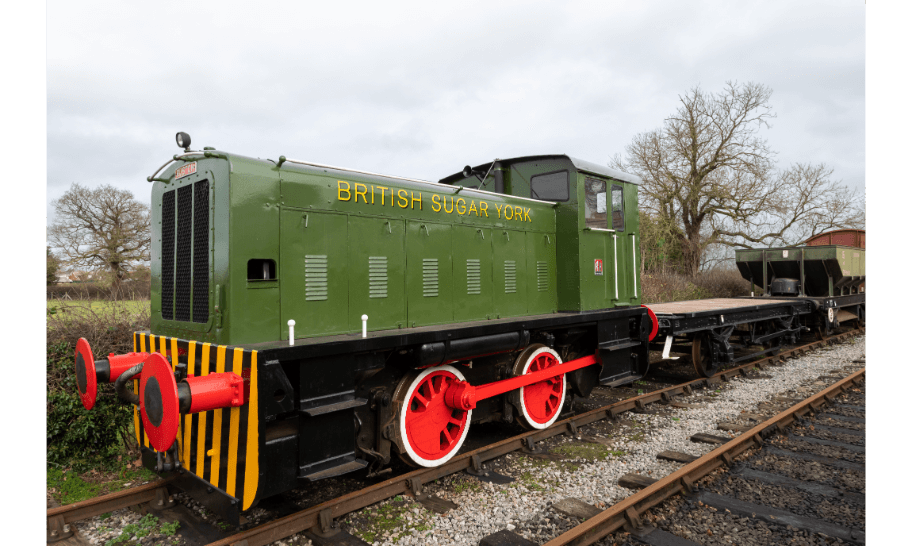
626	513
322	516
59	518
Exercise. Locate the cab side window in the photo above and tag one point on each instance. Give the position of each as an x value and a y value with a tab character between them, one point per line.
595	208
551	186
617	208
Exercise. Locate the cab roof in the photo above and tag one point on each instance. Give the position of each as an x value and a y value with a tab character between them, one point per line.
579	164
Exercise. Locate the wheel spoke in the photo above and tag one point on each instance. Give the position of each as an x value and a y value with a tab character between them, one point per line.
421	400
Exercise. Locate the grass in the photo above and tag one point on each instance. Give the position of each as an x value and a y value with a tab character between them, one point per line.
587	451
79	306
466	485
389	517
529	481
68	486
146	526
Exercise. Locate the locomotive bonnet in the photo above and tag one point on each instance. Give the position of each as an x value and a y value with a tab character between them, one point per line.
309	320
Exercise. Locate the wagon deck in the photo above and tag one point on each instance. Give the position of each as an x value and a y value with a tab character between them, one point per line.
683	317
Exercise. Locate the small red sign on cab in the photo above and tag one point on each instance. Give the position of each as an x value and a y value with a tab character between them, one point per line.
599	267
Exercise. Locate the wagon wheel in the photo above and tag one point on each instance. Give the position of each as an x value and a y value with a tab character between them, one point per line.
539	404
819	332
428	432
701	355
860	321
775	344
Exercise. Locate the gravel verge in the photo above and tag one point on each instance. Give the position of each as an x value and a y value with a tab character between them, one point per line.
589	470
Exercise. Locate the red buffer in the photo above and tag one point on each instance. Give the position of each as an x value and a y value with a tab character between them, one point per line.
89	372
162	399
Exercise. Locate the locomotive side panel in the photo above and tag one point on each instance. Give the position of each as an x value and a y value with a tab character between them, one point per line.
376	273
429	279
472	273
314	272
251	303
541	288
510	273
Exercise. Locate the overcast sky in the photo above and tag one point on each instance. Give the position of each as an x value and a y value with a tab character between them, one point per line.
421	90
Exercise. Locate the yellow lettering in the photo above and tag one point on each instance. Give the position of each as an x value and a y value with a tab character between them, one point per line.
372	194
361	193
403	199
382	194
472	208
435	203
484	208
498	207
460	209
508	208
519	214
445	207
419	201
346	190
527	211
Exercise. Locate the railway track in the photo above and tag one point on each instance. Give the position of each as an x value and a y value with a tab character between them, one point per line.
627	514
322	519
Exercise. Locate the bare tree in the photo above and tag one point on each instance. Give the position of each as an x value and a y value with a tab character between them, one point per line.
708	172
103	229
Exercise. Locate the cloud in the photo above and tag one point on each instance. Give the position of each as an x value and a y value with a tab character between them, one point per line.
422	89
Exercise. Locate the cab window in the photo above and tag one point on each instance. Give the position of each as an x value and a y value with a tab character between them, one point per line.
617	208
551	186
595	208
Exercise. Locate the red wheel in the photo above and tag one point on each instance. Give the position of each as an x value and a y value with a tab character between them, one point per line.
429	432
540	403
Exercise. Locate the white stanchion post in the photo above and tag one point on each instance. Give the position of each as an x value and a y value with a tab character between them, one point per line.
364	326
291	324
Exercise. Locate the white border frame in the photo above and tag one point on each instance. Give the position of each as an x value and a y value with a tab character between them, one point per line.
429	463
522	403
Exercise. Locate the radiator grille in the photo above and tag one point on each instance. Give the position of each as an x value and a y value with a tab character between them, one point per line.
185	253
167	256
378	278
473	276
430	277
201	251
182	273
542	270
510	276
316	285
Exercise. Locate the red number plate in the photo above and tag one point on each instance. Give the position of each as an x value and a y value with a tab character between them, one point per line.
186	170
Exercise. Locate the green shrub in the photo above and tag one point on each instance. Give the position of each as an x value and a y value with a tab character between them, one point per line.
79	438
75	437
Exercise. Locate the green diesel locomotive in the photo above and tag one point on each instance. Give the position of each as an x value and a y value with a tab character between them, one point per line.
310	320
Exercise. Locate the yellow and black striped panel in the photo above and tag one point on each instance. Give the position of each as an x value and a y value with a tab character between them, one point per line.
220	446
